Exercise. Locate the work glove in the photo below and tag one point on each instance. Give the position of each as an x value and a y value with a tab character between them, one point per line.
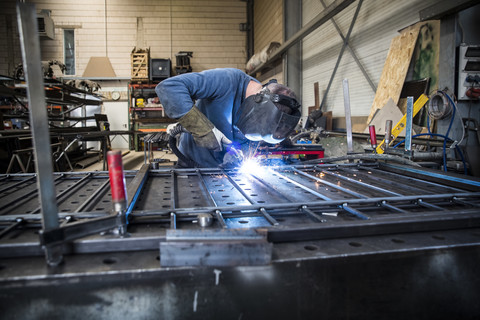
203	131
174	128
232	158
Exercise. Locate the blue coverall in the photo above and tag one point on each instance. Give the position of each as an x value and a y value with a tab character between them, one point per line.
218	93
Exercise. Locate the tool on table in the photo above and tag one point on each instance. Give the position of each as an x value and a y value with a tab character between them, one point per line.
373	137
117	186
388	133
417	106
233	157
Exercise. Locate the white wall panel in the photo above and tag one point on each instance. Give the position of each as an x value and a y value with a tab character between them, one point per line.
208	28
377	24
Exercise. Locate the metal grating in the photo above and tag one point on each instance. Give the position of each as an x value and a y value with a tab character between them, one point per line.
291	202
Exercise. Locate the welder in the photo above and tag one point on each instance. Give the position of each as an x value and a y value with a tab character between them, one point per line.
221	111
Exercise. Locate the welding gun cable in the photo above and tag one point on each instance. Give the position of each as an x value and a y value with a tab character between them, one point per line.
445	139
172	143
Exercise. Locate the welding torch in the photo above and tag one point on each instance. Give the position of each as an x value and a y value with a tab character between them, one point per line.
233	157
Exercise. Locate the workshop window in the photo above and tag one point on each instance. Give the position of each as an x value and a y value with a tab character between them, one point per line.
69	50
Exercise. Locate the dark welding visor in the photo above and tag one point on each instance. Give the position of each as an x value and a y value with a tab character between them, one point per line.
259	118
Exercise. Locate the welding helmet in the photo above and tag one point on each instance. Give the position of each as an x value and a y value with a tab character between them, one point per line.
260	119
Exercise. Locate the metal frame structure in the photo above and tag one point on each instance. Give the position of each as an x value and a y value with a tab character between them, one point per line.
293	203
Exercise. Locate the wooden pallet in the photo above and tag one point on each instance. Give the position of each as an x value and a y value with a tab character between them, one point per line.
140	59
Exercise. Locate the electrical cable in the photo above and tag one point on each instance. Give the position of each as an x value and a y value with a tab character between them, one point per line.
441	105
446	135
364	156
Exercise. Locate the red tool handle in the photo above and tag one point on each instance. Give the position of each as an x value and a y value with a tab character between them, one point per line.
373	136
117	179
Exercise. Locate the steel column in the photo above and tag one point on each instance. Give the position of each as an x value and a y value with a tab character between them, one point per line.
31	56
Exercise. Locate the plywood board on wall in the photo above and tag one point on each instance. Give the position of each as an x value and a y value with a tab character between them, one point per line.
395	68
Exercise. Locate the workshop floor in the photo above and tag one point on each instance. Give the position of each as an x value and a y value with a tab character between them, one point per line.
133	160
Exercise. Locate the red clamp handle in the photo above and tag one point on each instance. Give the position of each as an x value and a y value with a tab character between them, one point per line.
117	179
373	136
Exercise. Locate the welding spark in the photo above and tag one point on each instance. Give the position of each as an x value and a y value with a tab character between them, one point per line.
252	166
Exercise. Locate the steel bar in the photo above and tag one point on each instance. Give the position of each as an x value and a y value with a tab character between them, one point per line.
312	214
135	187
16	202
67	191
353	211
67	220
385	204
312	204
424	204
317	231
173	189
31	56
411	177
18	222
321	196
340	55
363	184
17	184
267	216
220	219
414	223
306	232
456	200
268	185
262	210
348	116
79	229
202	179
448	179
173	220
388	133
37	217
364	173
324	16
249	199
100	190
332	185
408	126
